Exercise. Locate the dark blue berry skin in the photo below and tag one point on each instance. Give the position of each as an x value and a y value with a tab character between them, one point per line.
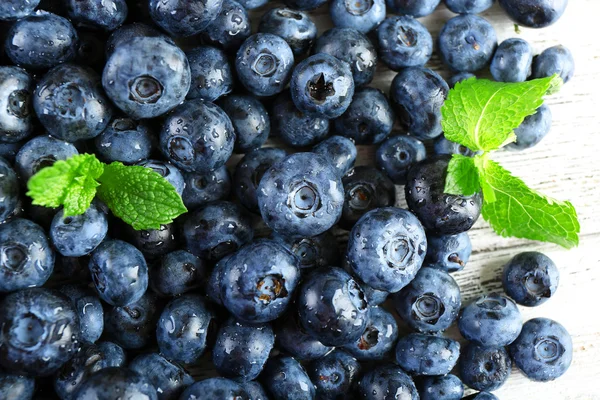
152	243
404	42
250	121
119	272
146	76
384	382
386	248
285	378
374	296
90	359
481	396
127	32
106	15
211	73
332	307
201	189
334	375
242	349
294	127
369	118
169	379
12	10
252	5
304	5
41	152
250	171
16	386
88	308
340	151
534	13
445	146
258	281
78	235
40	319
9	151
365	189
255	391
292	339
484	368
530	278
184	328
554	60
113	382
215	388
468	6
132	326
168	171
230	27
417	95
181	18
316	251
295	27
467	43
41	41
16	116
364	16
9	190
533	129
301	195
26	258
428	355
461	76
543	350
397	154
378	339
178	272
415	8
353	47
197	137
448	252
70	104
213	284
430	303
125	140
512	61
322	85
448	387
440	213
264	64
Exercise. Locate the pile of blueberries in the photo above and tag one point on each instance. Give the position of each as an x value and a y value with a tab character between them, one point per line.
92	309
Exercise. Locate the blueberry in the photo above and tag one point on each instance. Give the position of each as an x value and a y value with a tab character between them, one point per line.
294	127
125	140
285	378
213	284
431	302
364	15
332	307
404	42
340	151
374	296
169	379
178	272
41	152
201	189
334	375
252	5
152	243
98	13
230	27
530	278
386	381
255	391
484	368
11	10
386	248
184	327
264	64
448	252
9	190
295	27
554	60
417	94
127	32
250	121
448	387
322	85
132	326
440	213
242	349
168	171
378	339
534	13
316	251
111	383
182	18
9	151
397	154
16	386
304	5
533	129
467	43
78	235
428	355
215	388
445	146
26	258
459	77
41	41
119	272
415	8
211	73
512	61
468	6
481	396
40	331
16	118
88	308
365	189
146	76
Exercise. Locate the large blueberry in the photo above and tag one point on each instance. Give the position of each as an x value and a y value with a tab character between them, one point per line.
250	121
168	378
362	15
448	387
178	272
554	60
404	42
467	43
334	375
530	278
534	13
78	235
448	252
168	171
428	355
18	387
285	378
295	27
9	190
88	308
184	17
378	338
107	15
385	382
41	152
512	61
125	140
215	388
201	189
113	382
212	76
316	251
295	341
533	129
484	367
397	154
230	27
132	326
16	118
340	151
11	10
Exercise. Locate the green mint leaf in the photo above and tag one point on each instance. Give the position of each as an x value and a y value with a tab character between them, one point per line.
524	213
462	176
70	183
482	114
139	196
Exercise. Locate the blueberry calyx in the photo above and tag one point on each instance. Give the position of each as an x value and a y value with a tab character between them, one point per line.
319	89
428	308
145	89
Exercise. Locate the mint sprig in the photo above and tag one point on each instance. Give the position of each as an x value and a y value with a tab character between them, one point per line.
482	116
138	195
